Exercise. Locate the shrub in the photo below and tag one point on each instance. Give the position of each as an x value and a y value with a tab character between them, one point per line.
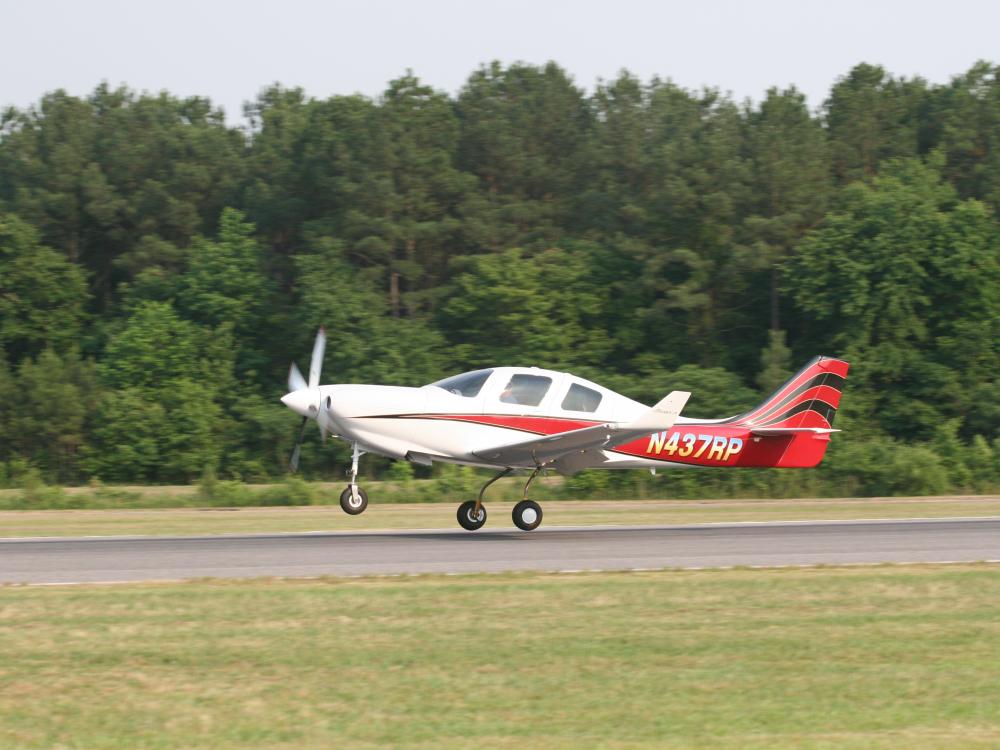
37	495
293	491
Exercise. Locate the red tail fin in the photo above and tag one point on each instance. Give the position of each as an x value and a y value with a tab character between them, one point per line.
809	399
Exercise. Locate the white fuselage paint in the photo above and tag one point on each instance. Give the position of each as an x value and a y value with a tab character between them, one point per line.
421	423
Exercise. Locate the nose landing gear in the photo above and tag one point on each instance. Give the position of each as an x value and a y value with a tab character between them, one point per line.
354	500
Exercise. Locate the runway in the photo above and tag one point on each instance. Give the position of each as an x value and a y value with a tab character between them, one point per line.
120	559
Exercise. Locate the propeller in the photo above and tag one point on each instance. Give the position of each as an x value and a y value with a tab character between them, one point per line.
293	464
295	380
304	397
316	363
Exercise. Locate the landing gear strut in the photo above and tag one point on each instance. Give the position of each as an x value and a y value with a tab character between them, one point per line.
527	514
354	500
472	514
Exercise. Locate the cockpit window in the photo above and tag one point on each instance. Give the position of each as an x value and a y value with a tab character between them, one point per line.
467	384
580	398
527	390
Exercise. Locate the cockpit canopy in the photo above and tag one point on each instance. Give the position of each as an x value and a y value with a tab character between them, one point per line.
526	388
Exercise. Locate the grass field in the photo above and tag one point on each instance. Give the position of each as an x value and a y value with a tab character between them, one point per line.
442	515
884	657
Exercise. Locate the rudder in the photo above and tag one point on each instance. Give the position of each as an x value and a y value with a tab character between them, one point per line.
808	399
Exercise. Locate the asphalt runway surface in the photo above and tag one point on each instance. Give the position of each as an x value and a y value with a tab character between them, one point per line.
119	559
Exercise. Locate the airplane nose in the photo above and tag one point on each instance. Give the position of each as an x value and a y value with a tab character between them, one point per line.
302	401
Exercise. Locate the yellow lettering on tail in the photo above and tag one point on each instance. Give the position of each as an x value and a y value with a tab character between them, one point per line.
656	441
735	446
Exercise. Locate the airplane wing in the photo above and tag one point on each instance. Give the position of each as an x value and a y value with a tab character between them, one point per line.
542	450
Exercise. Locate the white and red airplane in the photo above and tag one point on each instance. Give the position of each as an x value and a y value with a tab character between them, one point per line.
511	418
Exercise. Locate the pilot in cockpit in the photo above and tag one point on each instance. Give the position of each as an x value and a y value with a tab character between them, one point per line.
508	396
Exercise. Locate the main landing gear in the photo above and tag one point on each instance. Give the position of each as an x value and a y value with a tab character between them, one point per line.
527	514
354	500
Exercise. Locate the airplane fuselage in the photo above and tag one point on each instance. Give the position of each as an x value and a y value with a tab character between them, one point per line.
511	418
430	423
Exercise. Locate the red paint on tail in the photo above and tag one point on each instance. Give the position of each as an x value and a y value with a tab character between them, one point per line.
789	430
808	399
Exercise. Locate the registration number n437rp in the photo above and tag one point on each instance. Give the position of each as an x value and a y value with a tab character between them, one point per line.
684	444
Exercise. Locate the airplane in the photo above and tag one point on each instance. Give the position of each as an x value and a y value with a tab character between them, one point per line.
527	418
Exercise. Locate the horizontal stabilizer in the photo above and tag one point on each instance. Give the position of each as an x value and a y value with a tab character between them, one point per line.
663	415
778	431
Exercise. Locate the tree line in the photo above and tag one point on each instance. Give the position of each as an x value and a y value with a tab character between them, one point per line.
160	268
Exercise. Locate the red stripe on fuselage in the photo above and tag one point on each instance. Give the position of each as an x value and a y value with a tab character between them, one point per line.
535	425
783	451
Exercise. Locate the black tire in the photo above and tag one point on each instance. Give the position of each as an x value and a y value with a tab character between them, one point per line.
467	520
347	502
527	515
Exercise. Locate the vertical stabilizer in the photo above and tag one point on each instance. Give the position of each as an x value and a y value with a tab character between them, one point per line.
808	399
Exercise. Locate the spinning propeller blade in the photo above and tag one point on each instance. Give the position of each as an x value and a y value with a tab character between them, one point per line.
294	463
297	400
295	380
316	363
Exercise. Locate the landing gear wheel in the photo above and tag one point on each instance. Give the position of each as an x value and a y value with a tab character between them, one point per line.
527	515
467	517
351	505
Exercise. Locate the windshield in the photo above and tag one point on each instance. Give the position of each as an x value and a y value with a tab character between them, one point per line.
467	384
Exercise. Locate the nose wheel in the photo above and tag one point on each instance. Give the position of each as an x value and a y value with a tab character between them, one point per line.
354	500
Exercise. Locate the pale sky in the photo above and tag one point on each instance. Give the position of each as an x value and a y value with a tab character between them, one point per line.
229	50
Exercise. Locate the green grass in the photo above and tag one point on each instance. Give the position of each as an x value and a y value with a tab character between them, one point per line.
820	658
188	521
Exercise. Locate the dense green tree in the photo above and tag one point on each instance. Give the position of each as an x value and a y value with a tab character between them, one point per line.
530	308
126	439
184	374
646	236
8	393
775	363
55	397
155	346
225	284
872	116
615	198
524	134
365	343
415	223
970	108
119	182
693	266
276	194
790	181
922	322
42	295
715	392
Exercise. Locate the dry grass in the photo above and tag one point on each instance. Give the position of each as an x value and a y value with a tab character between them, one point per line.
857	658
188	521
